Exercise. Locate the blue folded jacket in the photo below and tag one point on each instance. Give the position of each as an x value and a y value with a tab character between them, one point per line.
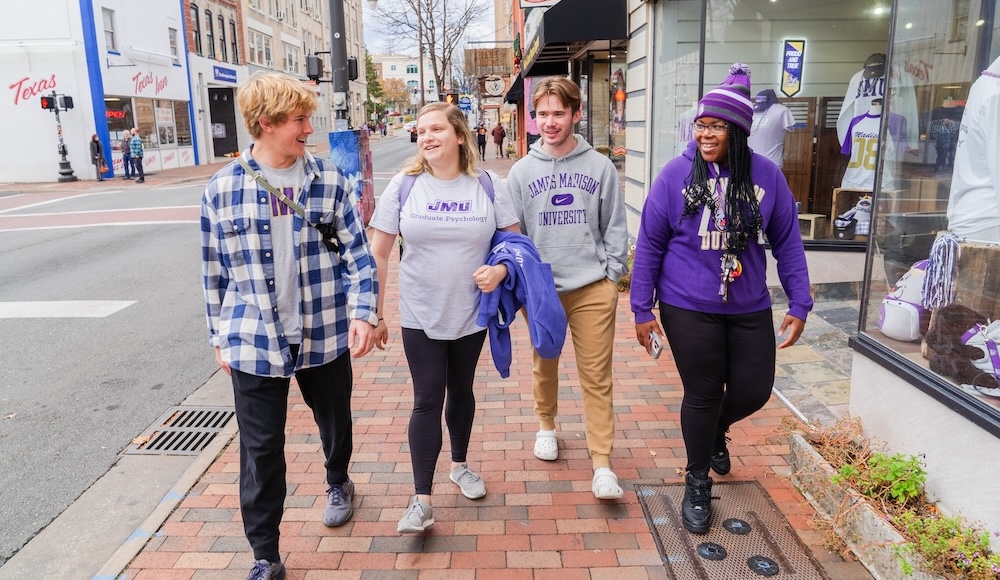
529	284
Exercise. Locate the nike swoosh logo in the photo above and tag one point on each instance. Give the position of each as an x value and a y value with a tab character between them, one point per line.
562	199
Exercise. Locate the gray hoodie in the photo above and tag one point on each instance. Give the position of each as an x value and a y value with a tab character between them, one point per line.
572	209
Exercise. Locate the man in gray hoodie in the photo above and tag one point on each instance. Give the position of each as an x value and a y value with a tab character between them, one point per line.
568	200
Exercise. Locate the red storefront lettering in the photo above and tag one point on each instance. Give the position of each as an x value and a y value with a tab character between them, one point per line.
921	70
24	90
144	80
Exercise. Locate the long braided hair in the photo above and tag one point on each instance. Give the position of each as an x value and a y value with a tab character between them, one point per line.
743	221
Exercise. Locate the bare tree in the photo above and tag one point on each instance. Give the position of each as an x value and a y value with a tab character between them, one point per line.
443	23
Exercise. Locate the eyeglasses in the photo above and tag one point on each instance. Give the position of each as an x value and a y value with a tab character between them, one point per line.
713	129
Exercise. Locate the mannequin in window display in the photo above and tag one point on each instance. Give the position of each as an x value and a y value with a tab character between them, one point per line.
771	120
867	85
974	203
861	144
943	131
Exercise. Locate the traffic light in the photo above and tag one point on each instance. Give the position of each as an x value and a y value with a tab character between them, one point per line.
49	103
451	98
314	67
352	68
65	102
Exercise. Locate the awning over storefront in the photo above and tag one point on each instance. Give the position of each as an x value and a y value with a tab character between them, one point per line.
568	29
516	92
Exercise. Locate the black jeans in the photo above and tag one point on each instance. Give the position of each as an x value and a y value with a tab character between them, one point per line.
137	167
726	364
438	367
261	409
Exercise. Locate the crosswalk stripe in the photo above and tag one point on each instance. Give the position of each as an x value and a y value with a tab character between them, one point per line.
63	308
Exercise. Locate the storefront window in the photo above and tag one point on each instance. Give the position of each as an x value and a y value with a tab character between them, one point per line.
934	279
814	66
182	124
677	62
118	111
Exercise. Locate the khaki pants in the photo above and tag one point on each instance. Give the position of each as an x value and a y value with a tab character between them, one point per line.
591	314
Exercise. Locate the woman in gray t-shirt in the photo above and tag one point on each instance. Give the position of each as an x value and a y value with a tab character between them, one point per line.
448	220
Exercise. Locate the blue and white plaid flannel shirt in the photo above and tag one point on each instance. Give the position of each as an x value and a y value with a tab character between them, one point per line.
238	270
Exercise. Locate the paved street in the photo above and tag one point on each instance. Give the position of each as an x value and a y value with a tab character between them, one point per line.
78	386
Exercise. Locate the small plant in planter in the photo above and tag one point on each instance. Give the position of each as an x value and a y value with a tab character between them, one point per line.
625	282
893	485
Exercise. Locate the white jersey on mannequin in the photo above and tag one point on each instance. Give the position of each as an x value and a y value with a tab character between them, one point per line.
974	203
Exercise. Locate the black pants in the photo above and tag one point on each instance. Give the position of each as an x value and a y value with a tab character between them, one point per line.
261	409
726	364
482	150
137	167
439	367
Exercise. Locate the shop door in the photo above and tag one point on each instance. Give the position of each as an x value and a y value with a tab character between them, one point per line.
222	111
798	154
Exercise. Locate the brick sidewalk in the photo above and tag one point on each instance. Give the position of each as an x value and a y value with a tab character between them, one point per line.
539	520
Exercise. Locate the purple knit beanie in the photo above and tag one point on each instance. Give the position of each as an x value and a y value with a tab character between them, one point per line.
730	101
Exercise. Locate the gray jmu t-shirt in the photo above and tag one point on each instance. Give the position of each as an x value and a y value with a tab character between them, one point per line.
446	227
286	268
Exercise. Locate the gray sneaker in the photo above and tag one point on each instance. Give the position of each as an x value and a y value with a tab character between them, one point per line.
417	518
469	481
264	570
339	505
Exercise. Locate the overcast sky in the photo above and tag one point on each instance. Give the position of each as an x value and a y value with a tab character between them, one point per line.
375	43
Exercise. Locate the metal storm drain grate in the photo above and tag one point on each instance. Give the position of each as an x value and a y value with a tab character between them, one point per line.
749	537
181	431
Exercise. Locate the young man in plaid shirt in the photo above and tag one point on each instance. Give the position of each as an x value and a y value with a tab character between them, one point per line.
281	301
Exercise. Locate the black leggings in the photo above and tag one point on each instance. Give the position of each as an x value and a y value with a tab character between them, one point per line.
437	367
726	364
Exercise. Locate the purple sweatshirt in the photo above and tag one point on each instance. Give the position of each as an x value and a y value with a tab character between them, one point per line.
678	259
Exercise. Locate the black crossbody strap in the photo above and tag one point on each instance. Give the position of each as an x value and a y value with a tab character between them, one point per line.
273	190
328	231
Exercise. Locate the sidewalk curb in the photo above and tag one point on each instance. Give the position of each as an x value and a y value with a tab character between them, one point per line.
123	556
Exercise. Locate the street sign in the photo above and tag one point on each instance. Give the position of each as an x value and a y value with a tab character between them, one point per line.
465	104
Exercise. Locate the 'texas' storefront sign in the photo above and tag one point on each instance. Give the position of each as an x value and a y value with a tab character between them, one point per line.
26	88
145	80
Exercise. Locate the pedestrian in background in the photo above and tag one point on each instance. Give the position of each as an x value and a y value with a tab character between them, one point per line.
135	147
444	263
285	295
499	134
481	141
568	200
700	253
125	145
97	156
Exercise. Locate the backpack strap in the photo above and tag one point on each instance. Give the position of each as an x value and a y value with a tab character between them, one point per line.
408	180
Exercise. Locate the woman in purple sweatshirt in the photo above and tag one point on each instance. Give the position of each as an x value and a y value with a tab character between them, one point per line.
700	254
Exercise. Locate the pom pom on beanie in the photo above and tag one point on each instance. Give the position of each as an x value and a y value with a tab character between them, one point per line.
730	101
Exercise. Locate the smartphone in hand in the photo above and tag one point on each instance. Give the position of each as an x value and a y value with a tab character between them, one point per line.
655	344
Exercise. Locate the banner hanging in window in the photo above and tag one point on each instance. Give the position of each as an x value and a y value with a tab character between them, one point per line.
791	67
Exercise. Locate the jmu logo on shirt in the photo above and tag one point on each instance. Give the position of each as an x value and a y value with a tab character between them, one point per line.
280	208
441	206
